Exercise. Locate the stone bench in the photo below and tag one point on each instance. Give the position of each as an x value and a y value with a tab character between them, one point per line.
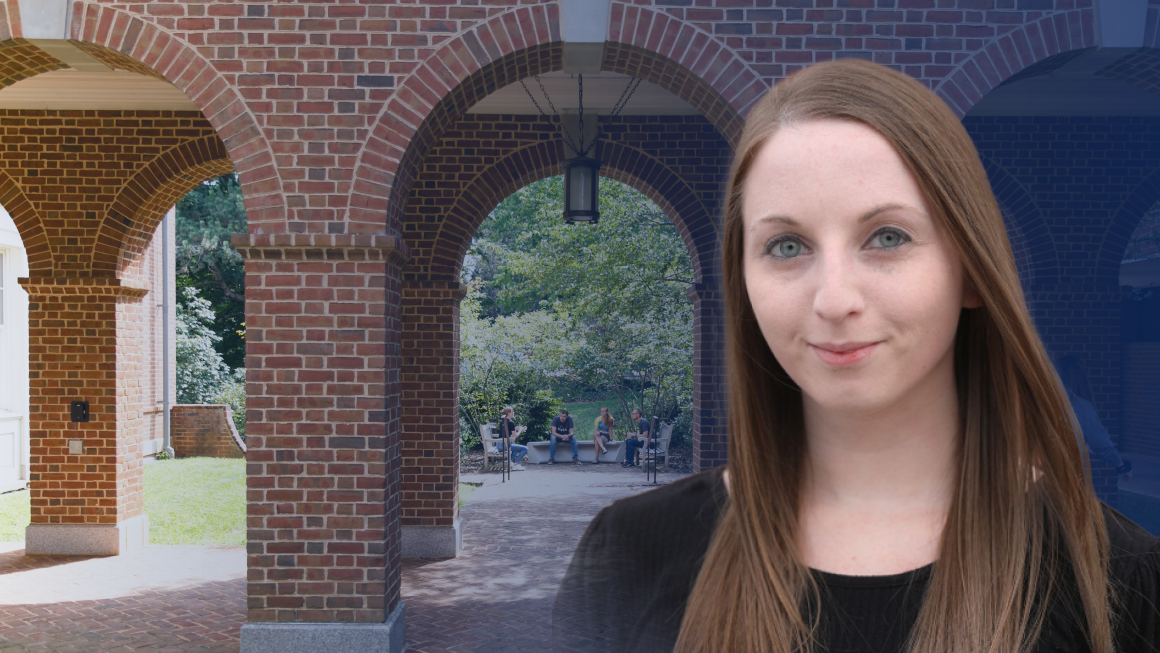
538	452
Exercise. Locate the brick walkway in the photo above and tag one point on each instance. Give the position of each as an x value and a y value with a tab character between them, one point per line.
497	596
159	598
518	538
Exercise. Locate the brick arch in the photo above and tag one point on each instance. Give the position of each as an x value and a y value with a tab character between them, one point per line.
129	224
1026	45
654	46
442	259
125	35
1123	225
28	223
1035	255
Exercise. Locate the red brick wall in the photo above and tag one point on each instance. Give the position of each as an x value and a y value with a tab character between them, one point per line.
204	430
1141	399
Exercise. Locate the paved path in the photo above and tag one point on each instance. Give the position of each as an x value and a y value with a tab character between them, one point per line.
518	538
158	598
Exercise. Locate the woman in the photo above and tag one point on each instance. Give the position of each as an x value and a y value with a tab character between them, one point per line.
902	471
1095	436
509	432
602	433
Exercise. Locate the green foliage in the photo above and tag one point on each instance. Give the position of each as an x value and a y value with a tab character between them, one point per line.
200	370
617	288
206	261
233	392
508	360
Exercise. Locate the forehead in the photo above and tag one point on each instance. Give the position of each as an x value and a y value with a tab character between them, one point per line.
826	169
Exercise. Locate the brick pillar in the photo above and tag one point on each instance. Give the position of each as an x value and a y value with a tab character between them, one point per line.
430	437
81	332
322	359
1084	320
710	396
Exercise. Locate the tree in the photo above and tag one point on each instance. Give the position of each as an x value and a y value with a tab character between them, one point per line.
618	287
206	261
200	369
509	360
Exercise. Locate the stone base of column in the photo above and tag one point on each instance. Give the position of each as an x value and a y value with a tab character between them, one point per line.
432	541
87	539
298	637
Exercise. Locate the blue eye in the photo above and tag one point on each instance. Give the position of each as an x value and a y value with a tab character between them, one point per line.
781	240
895	238
899	237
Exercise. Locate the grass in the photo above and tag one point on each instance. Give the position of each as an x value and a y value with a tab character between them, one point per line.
465	491
15	512
189	501
196	501
584	416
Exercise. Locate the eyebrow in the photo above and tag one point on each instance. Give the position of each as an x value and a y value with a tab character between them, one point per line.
864	217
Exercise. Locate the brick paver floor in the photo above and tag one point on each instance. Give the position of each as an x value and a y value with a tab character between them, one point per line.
158	598
518	537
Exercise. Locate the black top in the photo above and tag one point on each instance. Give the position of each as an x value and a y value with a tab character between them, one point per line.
562	427
633	570
511	427
644	425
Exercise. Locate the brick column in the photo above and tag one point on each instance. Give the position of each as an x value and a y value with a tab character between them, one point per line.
1084	320
82	348
430	429
322	426
710	380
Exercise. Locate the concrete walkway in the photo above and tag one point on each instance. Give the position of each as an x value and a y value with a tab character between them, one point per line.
497	596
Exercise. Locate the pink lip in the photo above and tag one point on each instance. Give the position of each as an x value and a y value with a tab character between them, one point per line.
841	359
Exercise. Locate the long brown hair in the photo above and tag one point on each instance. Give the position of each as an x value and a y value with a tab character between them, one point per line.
606	417
1020	512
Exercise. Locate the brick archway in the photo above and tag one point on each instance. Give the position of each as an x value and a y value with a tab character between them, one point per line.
1002	58
1124	223
651	45
129	224
1035	254
31	229
455	190
119	36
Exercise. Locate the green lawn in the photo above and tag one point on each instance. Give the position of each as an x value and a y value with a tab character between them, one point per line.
465	490
584	416
196	501
189	501
15	511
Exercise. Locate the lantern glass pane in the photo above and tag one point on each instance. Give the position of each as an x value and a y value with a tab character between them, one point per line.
580	182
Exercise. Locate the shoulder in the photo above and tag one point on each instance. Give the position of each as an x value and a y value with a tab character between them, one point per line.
690	505
1134	572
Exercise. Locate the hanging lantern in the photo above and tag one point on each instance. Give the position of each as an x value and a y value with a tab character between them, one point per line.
581	173
581	190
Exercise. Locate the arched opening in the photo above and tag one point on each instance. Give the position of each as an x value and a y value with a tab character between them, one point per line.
1068	145
99	146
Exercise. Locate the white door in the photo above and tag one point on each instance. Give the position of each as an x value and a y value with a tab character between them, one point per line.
9	451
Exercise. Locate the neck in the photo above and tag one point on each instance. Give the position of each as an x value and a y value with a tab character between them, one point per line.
899	457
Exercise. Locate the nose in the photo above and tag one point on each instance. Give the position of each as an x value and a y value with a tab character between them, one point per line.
838	291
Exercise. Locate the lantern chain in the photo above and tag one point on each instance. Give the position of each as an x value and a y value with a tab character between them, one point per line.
625	96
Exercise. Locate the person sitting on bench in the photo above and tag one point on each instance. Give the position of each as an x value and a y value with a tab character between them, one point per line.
563	430
509	432
602	434
632	443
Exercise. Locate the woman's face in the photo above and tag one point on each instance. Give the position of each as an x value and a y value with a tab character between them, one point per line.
839	250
